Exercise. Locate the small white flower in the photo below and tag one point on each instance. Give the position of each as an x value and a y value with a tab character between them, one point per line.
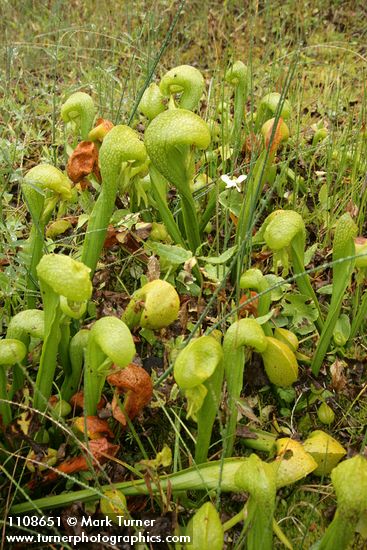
233	182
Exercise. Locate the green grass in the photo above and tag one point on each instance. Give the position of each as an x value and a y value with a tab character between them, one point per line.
109	52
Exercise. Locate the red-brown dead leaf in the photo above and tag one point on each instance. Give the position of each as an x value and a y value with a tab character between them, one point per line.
251	307
83	184
83	161
4	261
122	237
77	401
261	256
111	237
54	399
233	218
101	451
251	145
96	427
72	465
128	240
277	138
137	386
117	412
143	231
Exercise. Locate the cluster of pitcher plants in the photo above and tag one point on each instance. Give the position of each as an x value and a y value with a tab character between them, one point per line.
175	174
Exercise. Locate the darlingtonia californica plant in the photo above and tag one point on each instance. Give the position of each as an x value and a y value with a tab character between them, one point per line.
62	281
24	326
171	139
268	107
79	109
198	371
12	352
237	76
152	102
77	348
254	279
109	343
43	187
326	450
205	529
154	306
274	134
121	157
285	234
100	130
186	81
279	361
343	256
259	480
246	332
349	480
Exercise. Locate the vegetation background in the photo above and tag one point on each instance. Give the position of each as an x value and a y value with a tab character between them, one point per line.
50	49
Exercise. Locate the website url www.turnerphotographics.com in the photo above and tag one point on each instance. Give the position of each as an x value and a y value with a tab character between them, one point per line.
31	523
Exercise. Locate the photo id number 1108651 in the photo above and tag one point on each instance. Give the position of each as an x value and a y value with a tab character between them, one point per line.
34	521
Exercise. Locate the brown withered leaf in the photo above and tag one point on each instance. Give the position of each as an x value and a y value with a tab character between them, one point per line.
101	450
143	231
251	307
54	399
117	412
183	315
244	431
110	240
277	137
154	269
4	261
352	209
338	380
77	401
251	145
137	386
96	427
128	241
72	465
83	184
261	256
245	410
83	161
233	218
